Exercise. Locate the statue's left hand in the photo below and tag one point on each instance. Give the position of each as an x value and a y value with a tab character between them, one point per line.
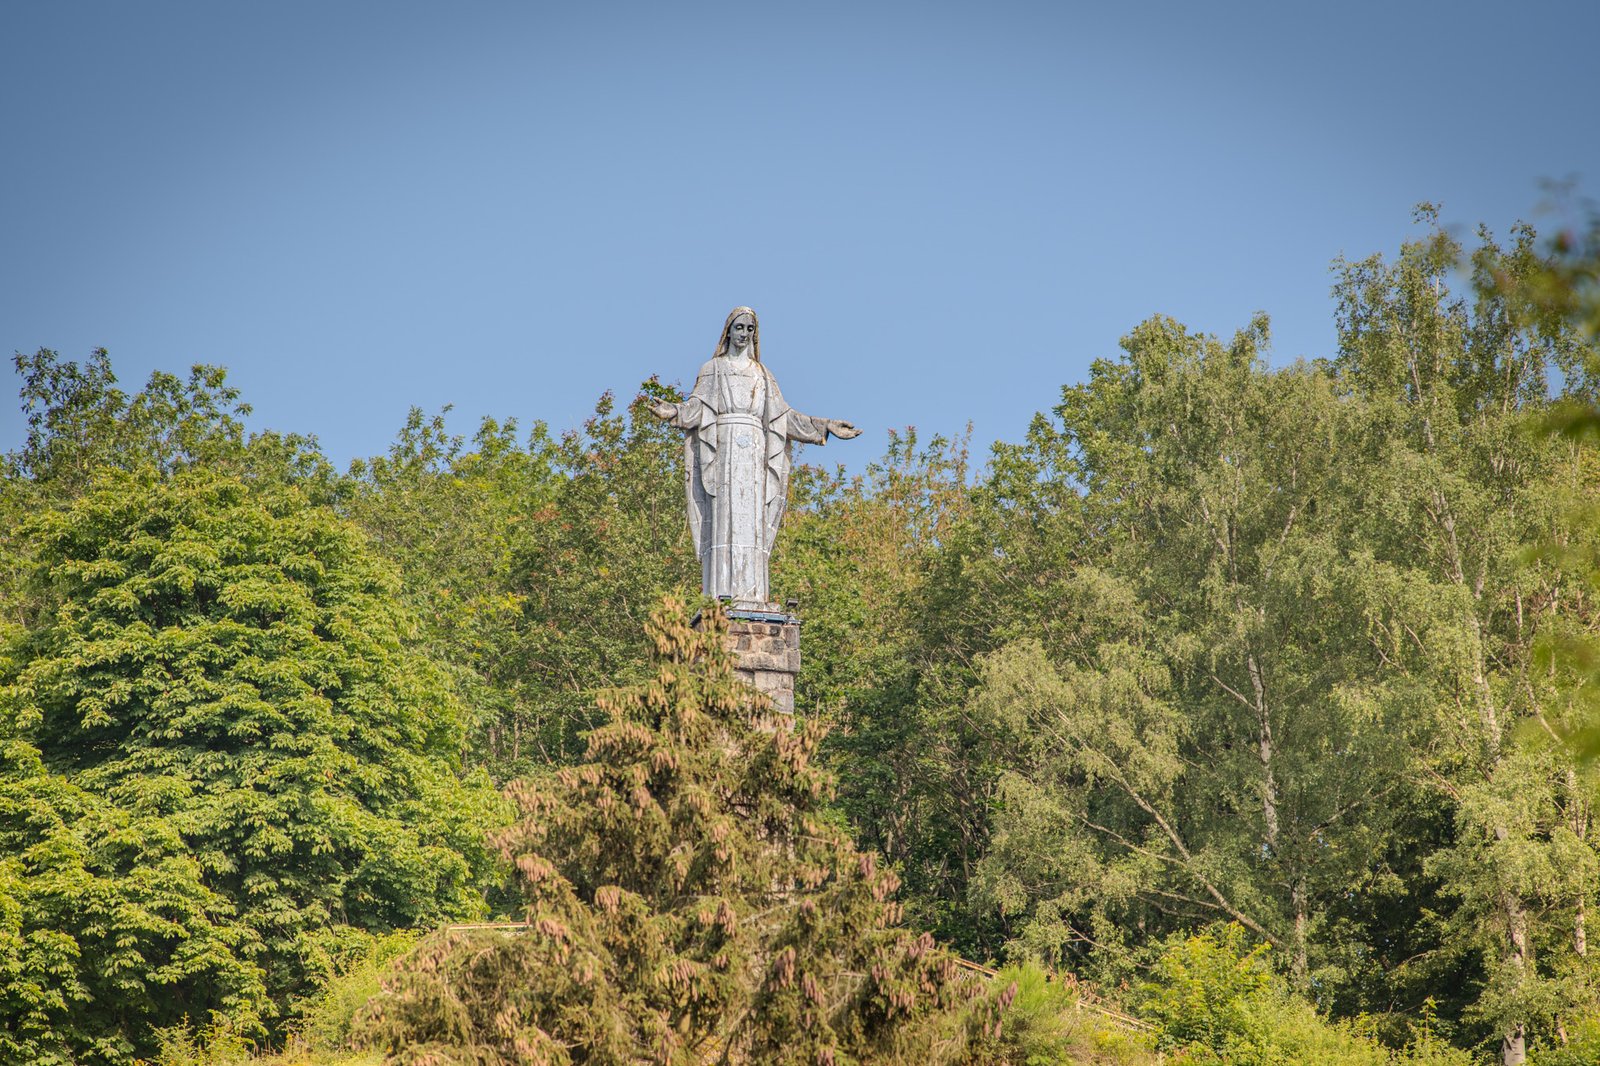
843	430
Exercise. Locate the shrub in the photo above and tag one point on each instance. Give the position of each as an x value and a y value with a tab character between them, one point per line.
1215	1000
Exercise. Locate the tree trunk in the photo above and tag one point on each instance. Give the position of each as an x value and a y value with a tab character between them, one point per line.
1580	935
1301	965
1514	1047
1513	1043
1580	829
1267	751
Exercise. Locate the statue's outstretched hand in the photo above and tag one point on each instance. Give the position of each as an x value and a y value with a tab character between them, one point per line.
842	430
664	411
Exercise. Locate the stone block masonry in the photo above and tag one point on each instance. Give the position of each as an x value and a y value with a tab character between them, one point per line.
766	652
766	655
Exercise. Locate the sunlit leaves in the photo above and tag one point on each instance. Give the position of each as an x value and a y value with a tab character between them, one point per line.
221	678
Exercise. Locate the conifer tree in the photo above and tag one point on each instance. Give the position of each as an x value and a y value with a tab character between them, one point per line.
687	900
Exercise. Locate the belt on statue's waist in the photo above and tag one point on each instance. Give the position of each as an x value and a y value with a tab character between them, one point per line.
743	430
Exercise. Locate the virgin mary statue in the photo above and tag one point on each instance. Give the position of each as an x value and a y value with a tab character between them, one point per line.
736	461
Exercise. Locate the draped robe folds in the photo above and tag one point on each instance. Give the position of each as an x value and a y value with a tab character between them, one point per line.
736	472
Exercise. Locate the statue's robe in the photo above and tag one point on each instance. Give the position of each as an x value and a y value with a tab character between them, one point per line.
736	472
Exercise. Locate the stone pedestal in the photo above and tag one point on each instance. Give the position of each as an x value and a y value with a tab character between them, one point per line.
766	652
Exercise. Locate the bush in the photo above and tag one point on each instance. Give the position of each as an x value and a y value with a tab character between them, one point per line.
1047	1024
217	1044
327	1017
1215	999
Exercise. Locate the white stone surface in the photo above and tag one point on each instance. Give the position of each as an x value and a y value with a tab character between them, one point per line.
736	461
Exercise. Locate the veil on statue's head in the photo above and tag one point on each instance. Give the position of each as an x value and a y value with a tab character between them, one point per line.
755	333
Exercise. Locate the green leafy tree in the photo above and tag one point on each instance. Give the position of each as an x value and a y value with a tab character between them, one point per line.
1286	648
1557	292
533	565
453	516
1459	493
891	629
590	566
225	664
1199	745
106	926
81	424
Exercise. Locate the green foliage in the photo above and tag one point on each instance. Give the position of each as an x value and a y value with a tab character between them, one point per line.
893	620
1559	292
1290	652
1307	648
222	753
105	915
1048	1024
1460	494
80	425
687	896
1208	991
1579	1045
589	568
1171	750
1215	999
327	1018
533	565
215	1045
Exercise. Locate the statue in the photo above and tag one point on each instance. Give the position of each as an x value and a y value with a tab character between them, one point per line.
736	461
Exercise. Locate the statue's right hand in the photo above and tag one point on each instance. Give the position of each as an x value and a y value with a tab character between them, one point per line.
843	430
664	411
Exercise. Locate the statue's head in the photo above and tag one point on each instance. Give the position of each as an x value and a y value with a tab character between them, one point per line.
741	334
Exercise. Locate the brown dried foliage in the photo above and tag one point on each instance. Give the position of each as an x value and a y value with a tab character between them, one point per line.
687	901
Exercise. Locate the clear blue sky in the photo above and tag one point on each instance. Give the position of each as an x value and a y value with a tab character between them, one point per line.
941	211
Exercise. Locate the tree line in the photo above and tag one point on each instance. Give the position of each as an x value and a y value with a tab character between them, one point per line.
1279	674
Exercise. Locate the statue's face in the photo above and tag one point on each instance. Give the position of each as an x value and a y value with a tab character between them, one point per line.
740	334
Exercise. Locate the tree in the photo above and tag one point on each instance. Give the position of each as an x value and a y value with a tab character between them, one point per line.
107	928
1459	495
224	665
452	518
1207	752
891	629
687	895
533	565
1557	292
80	423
